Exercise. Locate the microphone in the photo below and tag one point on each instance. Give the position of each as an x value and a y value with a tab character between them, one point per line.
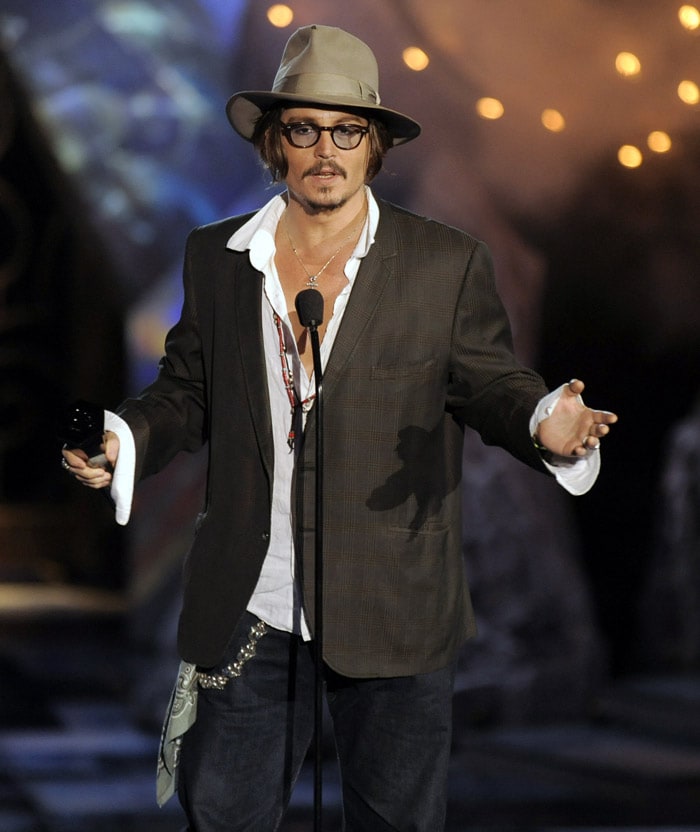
83	428
309	306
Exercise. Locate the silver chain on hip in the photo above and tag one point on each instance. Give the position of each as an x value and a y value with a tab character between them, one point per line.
218	681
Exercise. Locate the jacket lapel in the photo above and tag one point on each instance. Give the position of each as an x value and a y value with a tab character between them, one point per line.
374	272
248	326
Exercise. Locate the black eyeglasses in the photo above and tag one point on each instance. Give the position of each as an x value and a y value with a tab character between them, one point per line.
306	134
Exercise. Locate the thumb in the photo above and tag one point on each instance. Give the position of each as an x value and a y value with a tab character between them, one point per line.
111	446
575	387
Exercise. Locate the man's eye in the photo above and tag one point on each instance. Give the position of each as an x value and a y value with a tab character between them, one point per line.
348	129
303	130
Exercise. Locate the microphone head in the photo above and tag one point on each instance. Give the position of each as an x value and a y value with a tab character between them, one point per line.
309	306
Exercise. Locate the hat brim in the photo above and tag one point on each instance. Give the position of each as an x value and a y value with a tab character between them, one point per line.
245	108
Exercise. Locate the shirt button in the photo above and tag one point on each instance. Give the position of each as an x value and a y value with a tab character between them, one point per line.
265	535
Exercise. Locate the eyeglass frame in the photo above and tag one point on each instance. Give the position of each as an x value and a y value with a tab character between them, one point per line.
287	128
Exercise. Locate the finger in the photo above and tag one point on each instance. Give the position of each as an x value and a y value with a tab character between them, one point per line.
83	470
111	447
95	485
74	457
604	417
94	477
576	386
589	442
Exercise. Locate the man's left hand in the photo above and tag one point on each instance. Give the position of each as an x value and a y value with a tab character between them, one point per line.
574	429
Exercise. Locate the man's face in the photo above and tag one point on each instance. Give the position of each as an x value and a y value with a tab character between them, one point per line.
323	177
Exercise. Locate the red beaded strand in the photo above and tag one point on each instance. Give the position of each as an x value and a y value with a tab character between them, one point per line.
288	379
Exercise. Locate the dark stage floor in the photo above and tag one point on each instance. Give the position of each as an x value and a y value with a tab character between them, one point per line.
75	757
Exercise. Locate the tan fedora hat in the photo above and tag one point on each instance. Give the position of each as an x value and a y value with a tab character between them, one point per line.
326	66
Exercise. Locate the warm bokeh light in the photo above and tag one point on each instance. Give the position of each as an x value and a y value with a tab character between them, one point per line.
280	15
490	108
553	120
629	156
658	141
627	64
688	92
689	17
415	58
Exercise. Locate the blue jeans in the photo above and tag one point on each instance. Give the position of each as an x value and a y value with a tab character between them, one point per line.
241	758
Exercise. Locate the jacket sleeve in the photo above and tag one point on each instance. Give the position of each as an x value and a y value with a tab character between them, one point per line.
488	389
170	415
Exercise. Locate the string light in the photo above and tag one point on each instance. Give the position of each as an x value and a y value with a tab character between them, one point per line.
280	15
688	92
689	17
629	156
415	58
490	108
553	120
658	141
628	65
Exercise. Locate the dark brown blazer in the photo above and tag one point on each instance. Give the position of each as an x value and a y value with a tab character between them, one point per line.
424	348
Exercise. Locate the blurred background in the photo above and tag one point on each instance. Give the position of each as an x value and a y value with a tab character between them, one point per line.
564	133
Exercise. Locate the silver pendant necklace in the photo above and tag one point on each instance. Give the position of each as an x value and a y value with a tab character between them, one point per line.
312	279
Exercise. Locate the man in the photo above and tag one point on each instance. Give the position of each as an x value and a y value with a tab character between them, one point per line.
415	345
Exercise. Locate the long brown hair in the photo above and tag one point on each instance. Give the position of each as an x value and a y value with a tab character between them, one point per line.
267	140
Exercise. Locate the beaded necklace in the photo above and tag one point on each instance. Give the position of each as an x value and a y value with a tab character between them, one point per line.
288	379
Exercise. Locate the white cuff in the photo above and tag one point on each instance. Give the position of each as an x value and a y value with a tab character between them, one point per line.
122	488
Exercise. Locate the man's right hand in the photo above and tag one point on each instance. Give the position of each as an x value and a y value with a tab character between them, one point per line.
76	463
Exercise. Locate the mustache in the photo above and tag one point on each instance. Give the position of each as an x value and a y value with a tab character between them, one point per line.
325	167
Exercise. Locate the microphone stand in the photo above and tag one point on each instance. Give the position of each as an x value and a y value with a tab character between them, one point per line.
318	585
309	305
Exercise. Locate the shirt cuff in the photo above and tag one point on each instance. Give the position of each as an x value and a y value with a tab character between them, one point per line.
122	488
576	475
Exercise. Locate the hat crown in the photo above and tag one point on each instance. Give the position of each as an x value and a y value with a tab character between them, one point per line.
326	61
326	67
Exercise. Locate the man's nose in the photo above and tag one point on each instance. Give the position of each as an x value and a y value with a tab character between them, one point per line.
325	146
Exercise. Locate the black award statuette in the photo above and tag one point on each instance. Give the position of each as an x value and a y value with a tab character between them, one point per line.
83	428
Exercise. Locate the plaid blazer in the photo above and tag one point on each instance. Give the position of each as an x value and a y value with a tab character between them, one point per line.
423	350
